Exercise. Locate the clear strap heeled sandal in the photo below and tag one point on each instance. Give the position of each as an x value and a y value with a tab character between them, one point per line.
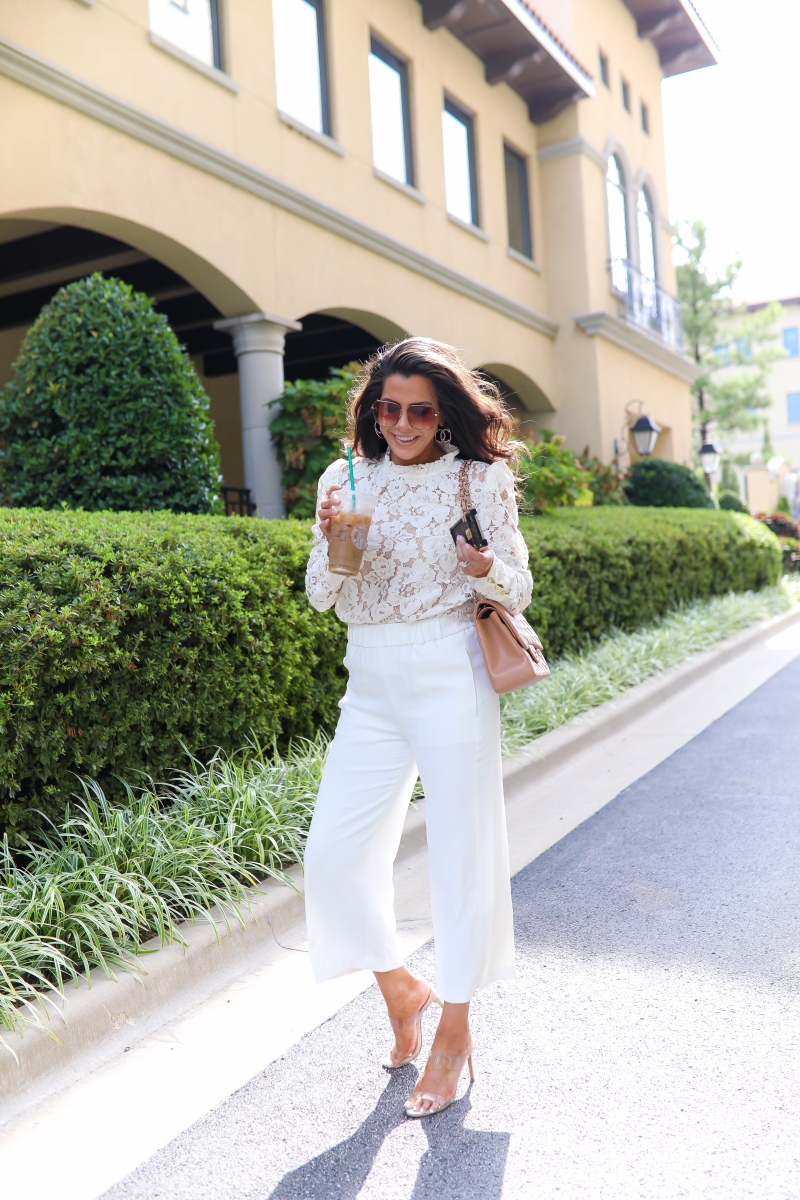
450	1062
400	1023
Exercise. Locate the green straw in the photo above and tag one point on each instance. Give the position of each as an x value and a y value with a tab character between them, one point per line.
352	477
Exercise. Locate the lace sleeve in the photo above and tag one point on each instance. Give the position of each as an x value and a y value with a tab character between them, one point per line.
509	581
322	588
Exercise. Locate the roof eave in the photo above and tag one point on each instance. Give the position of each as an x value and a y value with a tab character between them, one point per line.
541	34
711	47
682	41
530	59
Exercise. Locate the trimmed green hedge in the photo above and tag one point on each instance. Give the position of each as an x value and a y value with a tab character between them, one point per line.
599	569
124	635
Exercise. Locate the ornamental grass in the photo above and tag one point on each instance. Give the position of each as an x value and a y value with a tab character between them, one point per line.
109	877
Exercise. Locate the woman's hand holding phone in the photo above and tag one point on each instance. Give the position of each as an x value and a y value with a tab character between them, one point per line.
476	563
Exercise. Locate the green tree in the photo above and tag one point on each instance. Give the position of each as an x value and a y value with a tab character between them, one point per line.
105	410
721	336
308	432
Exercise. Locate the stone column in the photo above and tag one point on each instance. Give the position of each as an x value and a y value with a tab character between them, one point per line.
258	342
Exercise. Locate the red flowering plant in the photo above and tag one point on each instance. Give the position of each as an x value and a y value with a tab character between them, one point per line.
787	532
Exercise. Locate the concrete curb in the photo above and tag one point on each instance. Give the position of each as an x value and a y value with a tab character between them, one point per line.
94	1024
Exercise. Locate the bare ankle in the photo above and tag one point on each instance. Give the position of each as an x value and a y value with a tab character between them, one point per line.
400	989
453	1031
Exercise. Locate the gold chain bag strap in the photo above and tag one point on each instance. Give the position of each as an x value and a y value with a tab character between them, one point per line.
511	650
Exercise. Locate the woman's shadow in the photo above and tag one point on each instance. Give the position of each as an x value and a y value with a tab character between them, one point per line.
459	1164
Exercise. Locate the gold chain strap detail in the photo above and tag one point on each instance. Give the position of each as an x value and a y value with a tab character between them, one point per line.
464	498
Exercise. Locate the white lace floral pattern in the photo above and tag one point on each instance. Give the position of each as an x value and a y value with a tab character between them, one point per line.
410	570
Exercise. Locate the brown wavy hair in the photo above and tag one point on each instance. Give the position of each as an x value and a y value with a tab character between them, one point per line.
470	404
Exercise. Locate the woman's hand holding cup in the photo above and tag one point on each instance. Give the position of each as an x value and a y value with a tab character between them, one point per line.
327	509
476	563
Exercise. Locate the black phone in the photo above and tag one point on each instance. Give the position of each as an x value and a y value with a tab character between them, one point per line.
470	530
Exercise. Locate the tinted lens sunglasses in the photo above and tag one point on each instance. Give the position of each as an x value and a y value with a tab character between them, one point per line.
420	416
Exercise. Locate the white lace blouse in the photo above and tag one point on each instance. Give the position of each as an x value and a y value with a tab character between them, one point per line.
410	570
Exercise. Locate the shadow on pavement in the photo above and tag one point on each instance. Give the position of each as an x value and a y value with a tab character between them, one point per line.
460	1164
342	1170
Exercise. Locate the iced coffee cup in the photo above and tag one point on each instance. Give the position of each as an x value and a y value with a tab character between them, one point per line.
349	530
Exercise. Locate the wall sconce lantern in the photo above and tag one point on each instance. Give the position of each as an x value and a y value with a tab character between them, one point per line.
645	435
710	454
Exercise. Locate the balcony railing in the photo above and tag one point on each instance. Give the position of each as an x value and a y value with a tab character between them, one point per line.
644	303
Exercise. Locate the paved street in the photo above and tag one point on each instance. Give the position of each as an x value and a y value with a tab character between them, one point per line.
647	1049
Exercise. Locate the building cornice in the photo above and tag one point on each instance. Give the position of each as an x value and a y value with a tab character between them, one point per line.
574	145
613	329
54	81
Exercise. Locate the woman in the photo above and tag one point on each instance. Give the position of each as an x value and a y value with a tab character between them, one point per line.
418	700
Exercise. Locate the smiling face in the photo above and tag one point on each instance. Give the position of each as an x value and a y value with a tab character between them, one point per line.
408	445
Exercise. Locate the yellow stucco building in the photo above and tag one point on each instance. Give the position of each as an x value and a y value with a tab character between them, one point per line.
294	182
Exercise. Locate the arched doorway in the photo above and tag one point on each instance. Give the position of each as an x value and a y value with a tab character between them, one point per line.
325	342
525	400
322	343
37	258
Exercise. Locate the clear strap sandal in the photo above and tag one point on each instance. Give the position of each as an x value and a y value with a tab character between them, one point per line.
399	1023
450	1062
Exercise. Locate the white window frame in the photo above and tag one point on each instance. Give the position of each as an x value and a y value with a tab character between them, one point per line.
161	34
322	66
525	200
457	112
379	50
646	228
617	192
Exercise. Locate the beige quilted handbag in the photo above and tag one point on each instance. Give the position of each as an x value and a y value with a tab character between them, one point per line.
511	650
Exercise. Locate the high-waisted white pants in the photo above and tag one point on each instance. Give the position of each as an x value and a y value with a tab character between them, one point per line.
418	700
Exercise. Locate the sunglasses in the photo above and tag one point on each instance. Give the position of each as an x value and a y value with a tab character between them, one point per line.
420	416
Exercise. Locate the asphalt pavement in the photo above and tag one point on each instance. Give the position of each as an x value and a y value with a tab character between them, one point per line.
648	1048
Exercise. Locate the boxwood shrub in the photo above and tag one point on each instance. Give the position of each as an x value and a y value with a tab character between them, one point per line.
657	483
105	410
599	569
125	635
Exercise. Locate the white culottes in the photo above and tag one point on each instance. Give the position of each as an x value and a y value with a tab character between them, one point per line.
418	700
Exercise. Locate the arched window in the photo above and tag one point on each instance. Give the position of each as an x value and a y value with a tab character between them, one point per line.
617	223
647	235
